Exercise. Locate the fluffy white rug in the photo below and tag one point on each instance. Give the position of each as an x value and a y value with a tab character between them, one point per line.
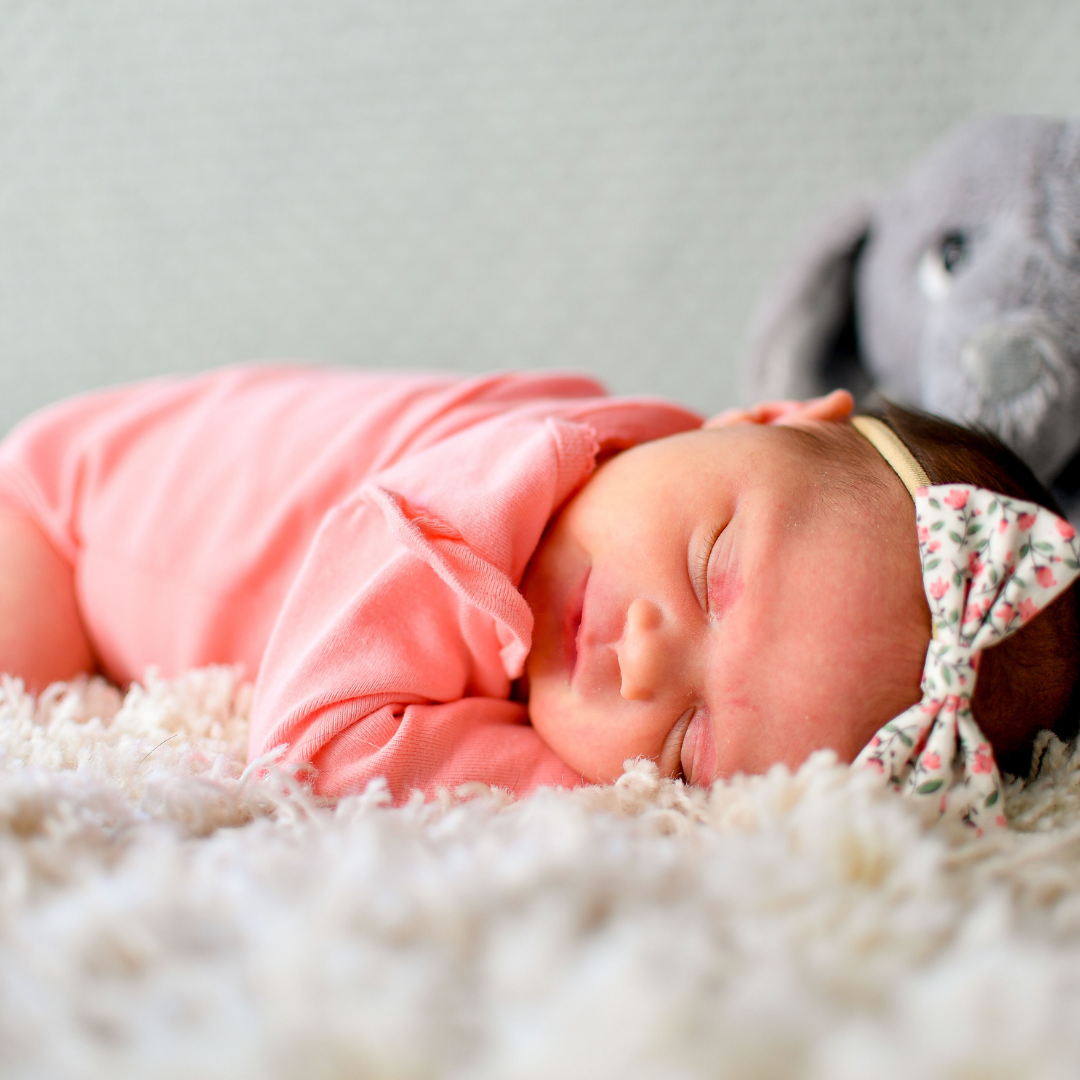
163	914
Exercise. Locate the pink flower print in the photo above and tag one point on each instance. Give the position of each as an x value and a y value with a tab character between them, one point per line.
981	763
1025	521
972	612
1045	577
920	491
1028	609
875	764
924	533
933	546
1005	612
1066	530
956	499
975	564
932	761
1003	524
1000	820
938	588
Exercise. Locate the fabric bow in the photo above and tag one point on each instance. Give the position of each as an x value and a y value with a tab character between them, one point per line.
989	565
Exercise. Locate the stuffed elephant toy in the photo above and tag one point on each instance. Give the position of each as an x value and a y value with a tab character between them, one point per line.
958	292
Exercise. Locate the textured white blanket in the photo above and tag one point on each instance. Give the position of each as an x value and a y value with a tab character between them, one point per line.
163	915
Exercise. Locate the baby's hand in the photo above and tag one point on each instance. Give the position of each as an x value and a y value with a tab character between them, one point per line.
835	406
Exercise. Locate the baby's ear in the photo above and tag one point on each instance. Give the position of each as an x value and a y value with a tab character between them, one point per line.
835	406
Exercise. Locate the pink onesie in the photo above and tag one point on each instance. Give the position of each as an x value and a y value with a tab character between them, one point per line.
355	540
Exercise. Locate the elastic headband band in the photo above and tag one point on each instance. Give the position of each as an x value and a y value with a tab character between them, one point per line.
890	446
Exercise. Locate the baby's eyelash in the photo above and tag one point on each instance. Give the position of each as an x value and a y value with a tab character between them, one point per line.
702	568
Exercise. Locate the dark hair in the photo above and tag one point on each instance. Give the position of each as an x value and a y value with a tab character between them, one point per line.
1030	681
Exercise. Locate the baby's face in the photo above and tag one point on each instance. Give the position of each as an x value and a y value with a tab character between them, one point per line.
716	601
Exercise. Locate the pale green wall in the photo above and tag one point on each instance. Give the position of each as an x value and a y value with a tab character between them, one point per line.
456	183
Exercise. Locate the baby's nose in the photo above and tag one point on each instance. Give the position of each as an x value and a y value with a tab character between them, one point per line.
642	651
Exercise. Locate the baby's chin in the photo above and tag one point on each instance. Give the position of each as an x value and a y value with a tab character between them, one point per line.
577	737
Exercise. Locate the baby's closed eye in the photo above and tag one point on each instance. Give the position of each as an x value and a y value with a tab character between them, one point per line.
669	760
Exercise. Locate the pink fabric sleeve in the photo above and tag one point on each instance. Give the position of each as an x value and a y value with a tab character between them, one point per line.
399	663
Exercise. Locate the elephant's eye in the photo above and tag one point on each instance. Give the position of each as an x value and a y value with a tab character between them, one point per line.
954	247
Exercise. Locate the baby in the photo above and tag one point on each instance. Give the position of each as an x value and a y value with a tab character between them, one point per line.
512	579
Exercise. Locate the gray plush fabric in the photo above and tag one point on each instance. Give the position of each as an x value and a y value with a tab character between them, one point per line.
957	291
463	184
987	327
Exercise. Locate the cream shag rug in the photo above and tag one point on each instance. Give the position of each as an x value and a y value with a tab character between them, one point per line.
165	914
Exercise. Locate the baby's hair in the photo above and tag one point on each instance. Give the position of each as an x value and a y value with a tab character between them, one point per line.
1030	681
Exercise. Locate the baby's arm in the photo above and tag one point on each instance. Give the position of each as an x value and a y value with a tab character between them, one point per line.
835	406
394	651
42	637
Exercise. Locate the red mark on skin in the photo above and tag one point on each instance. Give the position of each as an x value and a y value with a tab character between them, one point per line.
725	588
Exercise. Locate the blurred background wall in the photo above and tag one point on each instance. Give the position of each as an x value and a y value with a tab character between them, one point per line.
465	184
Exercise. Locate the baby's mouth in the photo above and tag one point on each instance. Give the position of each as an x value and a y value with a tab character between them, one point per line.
574	609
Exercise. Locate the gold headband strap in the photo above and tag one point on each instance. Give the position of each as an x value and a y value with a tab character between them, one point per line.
889	445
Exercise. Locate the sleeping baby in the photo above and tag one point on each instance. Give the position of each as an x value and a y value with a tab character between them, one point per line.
519	580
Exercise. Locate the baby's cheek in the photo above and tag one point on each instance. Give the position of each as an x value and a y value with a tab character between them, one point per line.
562	727
844	725
752	733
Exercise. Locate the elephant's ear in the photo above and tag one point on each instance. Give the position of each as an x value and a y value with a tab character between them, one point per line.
803	340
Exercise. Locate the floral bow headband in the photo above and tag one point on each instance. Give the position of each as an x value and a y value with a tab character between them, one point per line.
989	565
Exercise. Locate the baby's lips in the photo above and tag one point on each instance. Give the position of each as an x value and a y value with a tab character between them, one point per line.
572	619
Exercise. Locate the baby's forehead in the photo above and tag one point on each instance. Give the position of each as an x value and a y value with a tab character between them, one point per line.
838	465
832	440
818	466
849	469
